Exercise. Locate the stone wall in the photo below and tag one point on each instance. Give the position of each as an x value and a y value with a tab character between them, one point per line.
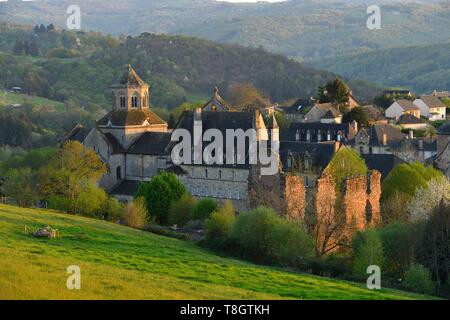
295	197
355	208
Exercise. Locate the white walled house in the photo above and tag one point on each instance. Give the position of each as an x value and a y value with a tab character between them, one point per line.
401	107
431	107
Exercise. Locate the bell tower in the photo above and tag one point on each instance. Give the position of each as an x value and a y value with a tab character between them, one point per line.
130	92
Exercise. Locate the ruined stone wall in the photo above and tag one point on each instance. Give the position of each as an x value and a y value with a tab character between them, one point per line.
295	197
337	215
374	195
354	198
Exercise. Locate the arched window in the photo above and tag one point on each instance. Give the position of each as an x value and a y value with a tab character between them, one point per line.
297	135
119	173
135	102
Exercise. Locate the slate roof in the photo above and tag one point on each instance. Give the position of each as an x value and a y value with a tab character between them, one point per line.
137	117
78	133
384	163
409	119
129	78
126	188
299	106
407	105
320	153
444	129
151	143
314	127
394	137
114	143
373	113
220	121
216	101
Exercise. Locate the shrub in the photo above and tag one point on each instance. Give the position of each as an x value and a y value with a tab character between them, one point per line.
367	250
418	279
112	210
399	240
135	214
159	194
263	236
219	225
204	209
181	210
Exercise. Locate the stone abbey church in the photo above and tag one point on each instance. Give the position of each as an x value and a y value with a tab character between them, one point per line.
136	145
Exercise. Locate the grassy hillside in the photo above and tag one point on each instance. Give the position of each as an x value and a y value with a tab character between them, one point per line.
9	98
122	263
422	68
297	28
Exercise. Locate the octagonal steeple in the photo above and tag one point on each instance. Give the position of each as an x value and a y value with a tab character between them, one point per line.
130	92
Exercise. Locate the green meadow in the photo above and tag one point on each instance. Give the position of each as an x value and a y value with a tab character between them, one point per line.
11	98
121	263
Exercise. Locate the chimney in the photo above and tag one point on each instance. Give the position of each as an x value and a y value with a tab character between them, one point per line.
411	134
355	125
385	139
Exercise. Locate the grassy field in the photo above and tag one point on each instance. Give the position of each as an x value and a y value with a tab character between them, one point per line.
122	263
9	98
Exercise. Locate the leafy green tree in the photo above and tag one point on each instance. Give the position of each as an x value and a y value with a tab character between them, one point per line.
218	227
418	279
434	248
180	212
357	114
204	209
336	92
71	169
399	242
345	163
160	193
407	178
20	184
367	250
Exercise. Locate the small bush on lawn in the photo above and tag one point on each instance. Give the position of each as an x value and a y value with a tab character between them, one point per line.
263	236
204	209
181	210
418	279
135	214
218	227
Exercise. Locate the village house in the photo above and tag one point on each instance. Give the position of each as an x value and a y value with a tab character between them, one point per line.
323	112
431	107
408	121
401	107
374	115
442	158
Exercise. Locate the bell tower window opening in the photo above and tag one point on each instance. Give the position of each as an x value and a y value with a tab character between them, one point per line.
123	102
